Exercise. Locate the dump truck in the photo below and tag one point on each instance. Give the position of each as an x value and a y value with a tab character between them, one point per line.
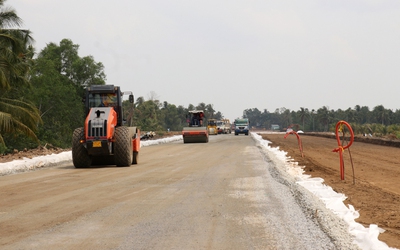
242	126
196	131
105	139
212	127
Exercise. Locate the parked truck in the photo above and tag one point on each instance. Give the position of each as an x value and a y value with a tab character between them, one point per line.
242	126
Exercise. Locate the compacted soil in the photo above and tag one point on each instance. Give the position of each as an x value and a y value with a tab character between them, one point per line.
179	196
373	189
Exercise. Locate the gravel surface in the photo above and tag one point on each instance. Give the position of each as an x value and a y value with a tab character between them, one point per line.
226	194
301	201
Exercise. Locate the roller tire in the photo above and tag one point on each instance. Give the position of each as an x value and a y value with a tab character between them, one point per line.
123	152
80	157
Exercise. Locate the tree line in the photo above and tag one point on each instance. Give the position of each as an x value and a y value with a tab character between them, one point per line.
41	97
379	121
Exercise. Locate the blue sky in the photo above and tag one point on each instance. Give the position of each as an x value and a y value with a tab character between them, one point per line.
233	54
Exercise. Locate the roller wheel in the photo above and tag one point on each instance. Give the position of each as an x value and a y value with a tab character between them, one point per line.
123	152
80	157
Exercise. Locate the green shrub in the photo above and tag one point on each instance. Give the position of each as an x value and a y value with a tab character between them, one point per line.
3	149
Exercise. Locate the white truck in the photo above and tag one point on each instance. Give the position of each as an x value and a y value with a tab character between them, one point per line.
224	126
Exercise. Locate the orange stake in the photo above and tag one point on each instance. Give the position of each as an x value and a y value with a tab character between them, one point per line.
298	140
340	148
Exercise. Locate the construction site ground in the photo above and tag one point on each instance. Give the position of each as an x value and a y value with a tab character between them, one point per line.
375	193
373	190
179	196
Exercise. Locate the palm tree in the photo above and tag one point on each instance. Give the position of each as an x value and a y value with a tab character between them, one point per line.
381	114
303	115
16	52
18	116
201	106
286	117
312	116
210	111
324	117
352	115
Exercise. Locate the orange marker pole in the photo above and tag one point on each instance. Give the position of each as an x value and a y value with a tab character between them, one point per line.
340	148
298	140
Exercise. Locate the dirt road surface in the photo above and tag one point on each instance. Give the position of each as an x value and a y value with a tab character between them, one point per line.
376	192
216	195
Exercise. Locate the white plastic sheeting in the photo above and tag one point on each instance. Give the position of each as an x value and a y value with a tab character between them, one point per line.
365	237
27	164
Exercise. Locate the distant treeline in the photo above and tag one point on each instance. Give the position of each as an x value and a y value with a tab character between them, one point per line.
58	77
378	121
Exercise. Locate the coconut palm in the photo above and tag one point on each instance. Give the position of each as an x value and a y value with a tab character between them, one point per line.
18	116
16	52
303	113
15	49
324	116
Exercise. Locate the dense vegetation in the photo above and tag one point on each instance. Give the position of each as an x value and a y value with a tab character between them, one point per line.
40	97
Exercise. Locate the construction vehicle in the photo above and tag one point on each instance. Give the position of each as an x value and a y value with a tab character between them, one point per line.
212	127
225	126
196	131
219	126
242	126
104	139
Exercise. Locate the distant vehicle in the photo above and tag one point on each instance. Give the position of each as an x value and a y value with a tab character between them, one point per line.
196	131
224	127
219	126
212	127
275	127
242	126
